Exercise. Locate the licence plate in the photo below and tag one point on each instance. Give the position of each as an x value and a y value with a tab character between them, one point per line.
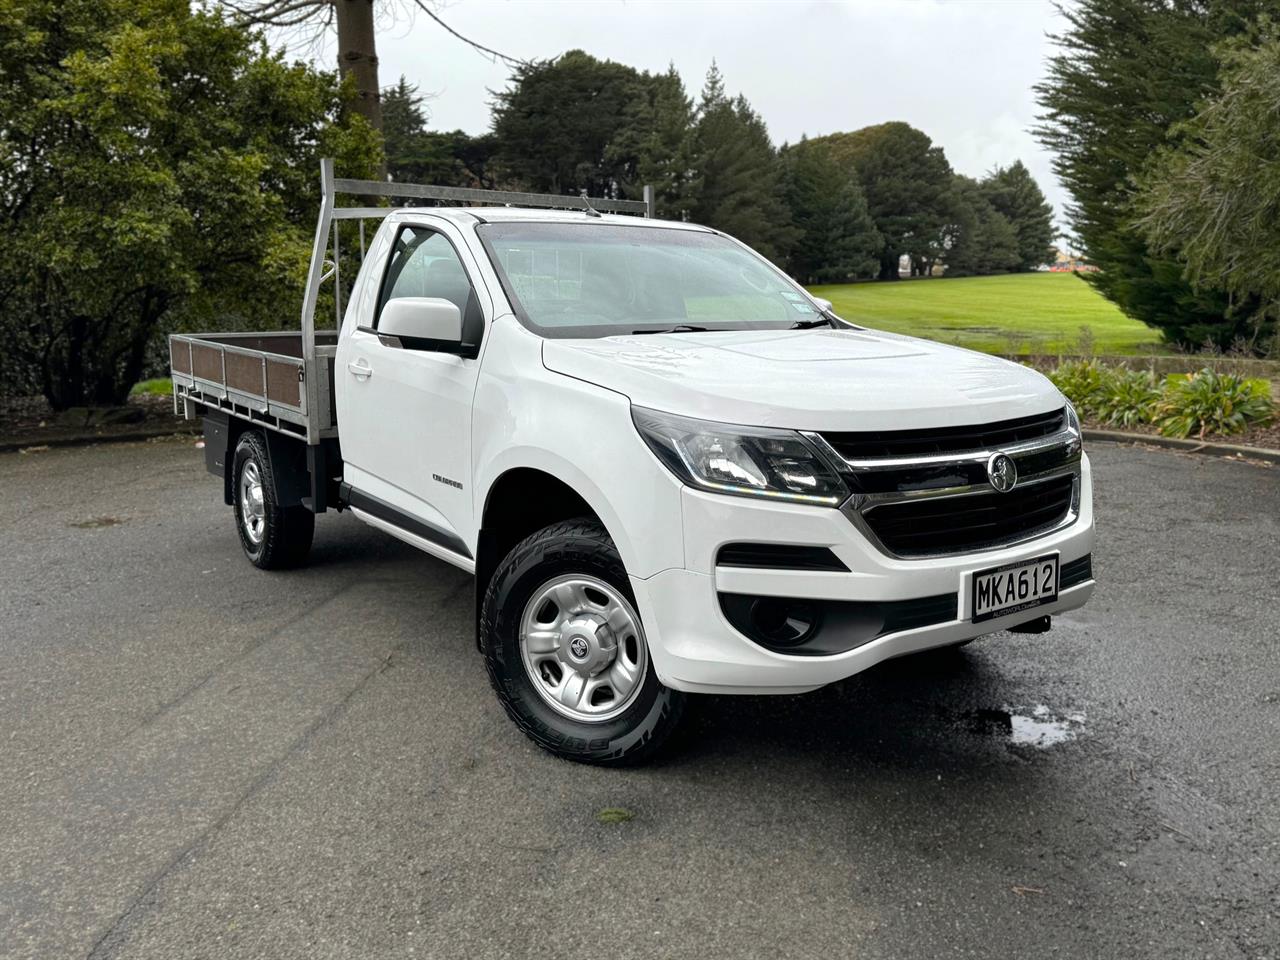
1014	587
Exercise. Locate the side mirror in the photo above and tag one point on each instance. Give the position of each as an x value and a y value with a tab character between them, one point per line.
824	305
421	323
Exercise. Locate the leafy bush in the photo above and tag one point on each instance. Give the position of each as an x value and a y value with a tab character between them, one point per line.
1201	403
1081	382
1208	402
1127	397
157	162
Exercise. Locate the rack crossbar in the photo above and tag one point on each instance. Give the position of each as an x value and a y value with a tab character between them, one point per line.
376	188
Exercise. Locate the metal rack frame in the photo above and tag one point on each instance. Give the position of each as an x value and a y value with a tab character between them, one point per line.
317	358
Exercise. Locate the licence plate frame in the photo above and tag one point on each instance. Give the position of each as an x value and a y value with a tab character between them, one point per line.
1007	580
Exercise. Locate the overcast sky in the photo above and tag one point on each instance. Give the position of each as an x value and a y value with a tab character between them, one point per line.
960	70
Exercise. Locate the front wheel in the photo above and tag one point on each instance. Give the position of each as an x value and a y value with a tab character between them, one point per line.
566	650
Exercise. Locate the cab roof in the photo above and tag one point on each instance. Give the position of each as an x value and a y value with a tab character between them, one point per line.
469	216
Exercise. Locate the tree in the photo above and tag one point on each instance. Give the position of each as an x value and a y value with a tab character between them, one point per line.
1014	194
357	44
355	24
659	134
557	126
578	123
837	240
741	190
1127	74
157	168
906	180
418	155
1214	201
979	238
404	133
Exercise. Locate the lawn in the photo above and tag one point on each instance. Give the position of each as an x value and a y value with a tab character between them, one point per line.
160	387
1017	313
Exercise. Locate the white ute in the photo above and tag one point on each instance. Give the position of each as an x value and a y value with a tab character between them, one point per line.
670	468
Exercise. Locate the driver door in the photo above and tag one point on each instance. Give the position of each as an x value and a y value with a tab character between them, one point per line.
406	413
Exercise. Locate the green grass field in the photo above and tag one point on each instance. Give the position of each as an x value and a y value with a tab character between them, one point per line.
1016	313
160	387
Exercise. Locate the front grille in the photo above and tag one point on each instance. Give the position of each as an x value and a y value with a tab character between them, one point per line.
939	525
914	443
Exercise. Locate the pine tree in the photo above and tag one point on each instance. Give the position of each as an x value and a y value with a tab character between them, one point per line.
404	128
907	182
1216	199
418	155
838	240
564	125
979	239
1014	193
1128	73
669	157
741	190
657	141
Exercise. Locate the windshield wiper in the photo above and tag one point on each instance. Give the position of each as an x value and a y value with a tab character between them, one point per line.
810	324
679	328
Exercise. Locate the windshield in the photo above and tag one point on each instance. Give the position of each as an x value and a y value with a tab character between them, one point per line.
602	279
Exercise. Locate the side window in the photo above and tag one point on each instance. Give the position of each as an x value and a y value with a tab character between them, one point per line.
423	263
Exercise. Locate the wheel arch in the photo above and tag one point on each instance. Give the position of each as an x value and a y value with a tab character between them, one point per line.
522	500
287	456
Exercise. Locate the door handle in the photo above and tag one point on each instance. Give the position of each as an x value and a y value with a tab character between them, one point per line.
360	370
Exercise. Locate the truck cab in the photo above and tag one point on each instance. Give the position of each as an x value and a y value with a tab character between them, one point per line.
671	469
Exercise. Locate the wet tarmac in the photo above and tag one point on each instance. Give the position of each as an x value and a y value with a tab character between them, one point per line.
202	760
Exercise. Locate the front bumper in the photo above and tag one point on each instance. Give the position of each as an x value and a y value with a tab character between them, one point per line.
696	649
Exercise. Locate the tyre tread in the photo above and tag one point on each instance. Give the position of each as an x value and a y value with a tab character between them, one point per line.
288	531
590	542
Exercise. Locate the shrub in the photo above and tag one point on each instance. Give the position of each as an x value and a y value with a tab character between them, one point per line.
1208	402
1127	397
1201	403
1081	382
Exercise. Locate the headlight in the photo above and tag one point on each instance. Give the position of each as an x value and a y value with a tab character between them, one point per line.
1073	423
747	461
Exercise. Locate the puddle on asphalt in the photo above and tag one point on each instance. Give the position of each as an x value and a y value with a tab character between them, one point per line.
1038	727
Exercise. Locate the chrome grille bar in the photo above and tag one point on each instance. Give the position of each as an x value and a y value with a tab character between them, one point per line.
959	476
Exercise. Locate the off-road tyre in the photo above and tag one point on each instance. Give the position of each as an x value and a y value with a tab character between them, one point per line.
577	547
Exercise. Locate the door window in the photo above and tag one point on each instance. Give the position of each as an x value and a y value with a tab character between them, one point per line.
424	264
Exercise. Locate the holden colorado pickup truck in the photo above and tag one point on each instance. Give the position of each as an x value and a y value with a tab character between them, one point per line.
670	468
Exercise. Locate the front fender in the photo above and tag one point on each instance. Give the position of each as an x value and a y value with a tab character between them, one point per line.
581	434
642	514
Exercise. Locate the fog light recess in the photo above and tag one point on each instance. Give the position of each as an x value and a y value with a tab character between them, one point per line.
784	622
775	622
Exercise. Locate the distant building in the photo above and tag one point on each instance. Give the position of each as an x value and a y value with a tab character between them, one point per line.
905	268
1068	261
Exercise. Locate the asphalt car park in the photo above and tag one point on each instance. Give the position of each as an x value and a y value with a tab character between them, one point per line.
204	760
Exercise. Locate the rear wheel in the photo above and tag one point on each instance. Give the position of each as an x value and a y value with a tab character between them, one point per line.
273	537
566	651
